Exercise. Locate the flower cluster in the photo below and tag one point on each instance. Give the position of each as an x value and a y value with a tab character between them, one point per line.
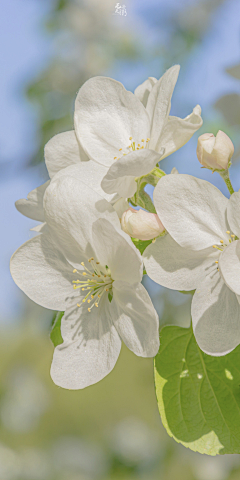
84	260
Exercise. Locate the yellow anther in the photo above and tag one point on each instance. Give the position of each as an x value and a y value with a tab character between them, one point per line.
97	263
228	232
107	289
120	149
89	300
92	296
139	145
142	147
130	138
90	259
93	274
105	276
138	148
148	139
74	286
83	289
84	273
96	304
115	158
232	236
75	270
216	261
82	263
99	296
78	305
215	246
84	300
89	310
221	241
143	140
124	154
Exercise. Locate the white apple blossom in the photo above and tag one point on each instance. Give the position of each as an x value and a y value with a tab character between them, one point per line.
117	130
215	152
200	251
88	172
85	265
141	224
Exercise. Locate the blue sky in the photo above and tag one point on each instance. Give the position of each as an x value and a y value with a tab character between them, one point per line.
26	50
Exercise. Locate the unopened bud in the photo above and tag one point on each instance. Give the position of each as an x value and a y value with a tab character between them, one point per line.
140	224
215	152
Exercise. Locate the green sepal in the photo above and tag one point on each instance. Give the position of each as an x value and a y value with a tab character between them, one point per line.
55	334
187	292
141	244
198	395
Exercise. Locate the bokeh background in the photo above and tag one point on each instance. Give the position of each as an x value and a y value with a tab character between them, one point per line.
111	430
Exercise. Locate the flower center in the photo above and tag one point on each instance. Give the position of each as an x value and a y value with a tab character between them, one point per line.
133	146
95	280
223	245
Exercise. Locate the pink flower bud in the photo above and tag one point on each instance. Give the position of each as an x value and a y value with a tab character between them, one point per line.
140	224
215	152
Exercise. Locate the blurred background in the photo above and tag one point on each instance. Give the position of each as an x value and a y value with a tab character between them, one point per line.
49	48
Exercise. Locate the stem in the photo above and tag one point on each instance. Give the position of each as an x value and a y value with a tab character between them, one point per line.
225	177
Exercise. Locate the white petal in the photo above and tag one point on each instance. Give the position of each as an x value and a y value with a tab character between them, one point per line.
106	115
229	265
115	249
120	206
143	90
121	175
33	206
61	151
40	270
193	211
159	103
216	316
138	322
91	173
178	131
71	207
233	213
90	350
176	267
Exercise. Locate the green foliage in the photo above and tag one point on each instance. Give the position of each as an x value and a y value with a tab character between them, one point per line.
55	334
141	244
198	395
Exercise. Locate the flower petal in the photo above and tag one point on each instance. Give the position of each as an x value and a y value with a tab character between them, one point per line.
61	151
215	317
138	322
233	213
106	115
33	206
143	90
71	207
229	265
115	249
159	103
42	273
176	267
90	350
193	211
90	173
121	175
120	206
178	131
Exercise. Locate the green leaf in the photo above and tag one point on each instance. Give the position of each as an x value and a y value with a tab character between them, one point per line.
141	244
198	395
55	334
